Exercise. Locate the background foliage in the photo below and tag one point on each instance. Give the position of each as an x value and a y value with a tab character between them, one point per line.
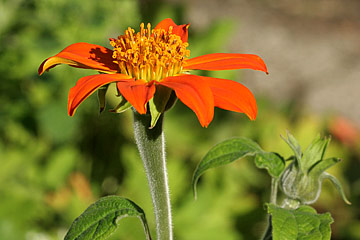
53	166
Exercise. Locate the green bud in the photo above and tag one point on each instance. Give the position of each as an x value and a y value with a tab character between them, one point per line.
302	179
299	186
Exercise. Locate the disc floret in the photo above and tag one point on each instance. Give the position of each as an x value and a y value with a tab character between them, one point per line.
150	54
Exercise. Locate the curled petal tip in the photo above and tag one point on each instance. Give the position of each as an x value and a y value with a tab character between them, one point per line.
252	116
41	69
82	55
265	70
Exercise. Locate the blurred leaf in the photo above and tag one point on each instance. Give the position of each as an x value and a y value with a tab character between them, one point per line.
59	166
233	149
101	219
54	122
213	38
302	223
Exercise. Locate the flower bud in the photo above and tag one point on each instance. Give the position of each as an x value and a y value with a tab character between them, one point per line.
301	181
299	186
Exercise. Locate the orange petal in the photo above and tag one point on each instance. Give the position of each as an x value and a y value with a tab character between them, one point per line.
87	85
225	61
180	30
138	93
82	55
195	93
232	96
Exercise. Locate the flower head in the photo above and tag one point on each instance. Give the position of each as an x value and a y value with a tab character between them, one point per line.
150	54
151	65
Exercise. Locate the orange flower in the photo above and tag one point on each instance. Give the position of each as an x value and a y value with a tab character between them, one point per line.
150	65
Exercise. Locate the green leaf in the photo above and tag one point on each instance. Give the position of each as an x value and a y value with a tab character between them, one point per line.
224	153
101	96
236	148
272	162
314	152
324	228
302	223
102	217
122	106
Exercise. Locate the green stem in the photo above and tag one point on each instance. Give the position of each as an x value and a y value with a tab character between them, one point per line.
268	232
274	188
151	146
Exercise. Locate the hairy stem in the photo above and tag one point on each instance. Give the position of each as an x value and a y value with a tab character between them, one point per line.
151	145
274	188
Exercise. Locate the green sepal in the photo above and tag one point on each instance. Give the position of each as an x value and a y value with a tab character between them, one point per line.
318	168
295	146
122	106
314	153
301	223
101	219
101	97
171	102
158	103
337	185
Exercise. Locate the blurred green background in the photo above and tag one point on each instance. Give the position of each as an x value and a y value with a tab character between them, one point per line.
53	166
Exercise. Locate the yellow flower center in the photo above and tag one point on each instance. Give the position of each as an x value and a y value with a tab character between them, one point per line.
151	54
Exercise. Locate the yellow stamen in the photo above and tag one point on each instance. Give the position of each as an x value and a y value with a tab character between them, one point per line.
149	54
